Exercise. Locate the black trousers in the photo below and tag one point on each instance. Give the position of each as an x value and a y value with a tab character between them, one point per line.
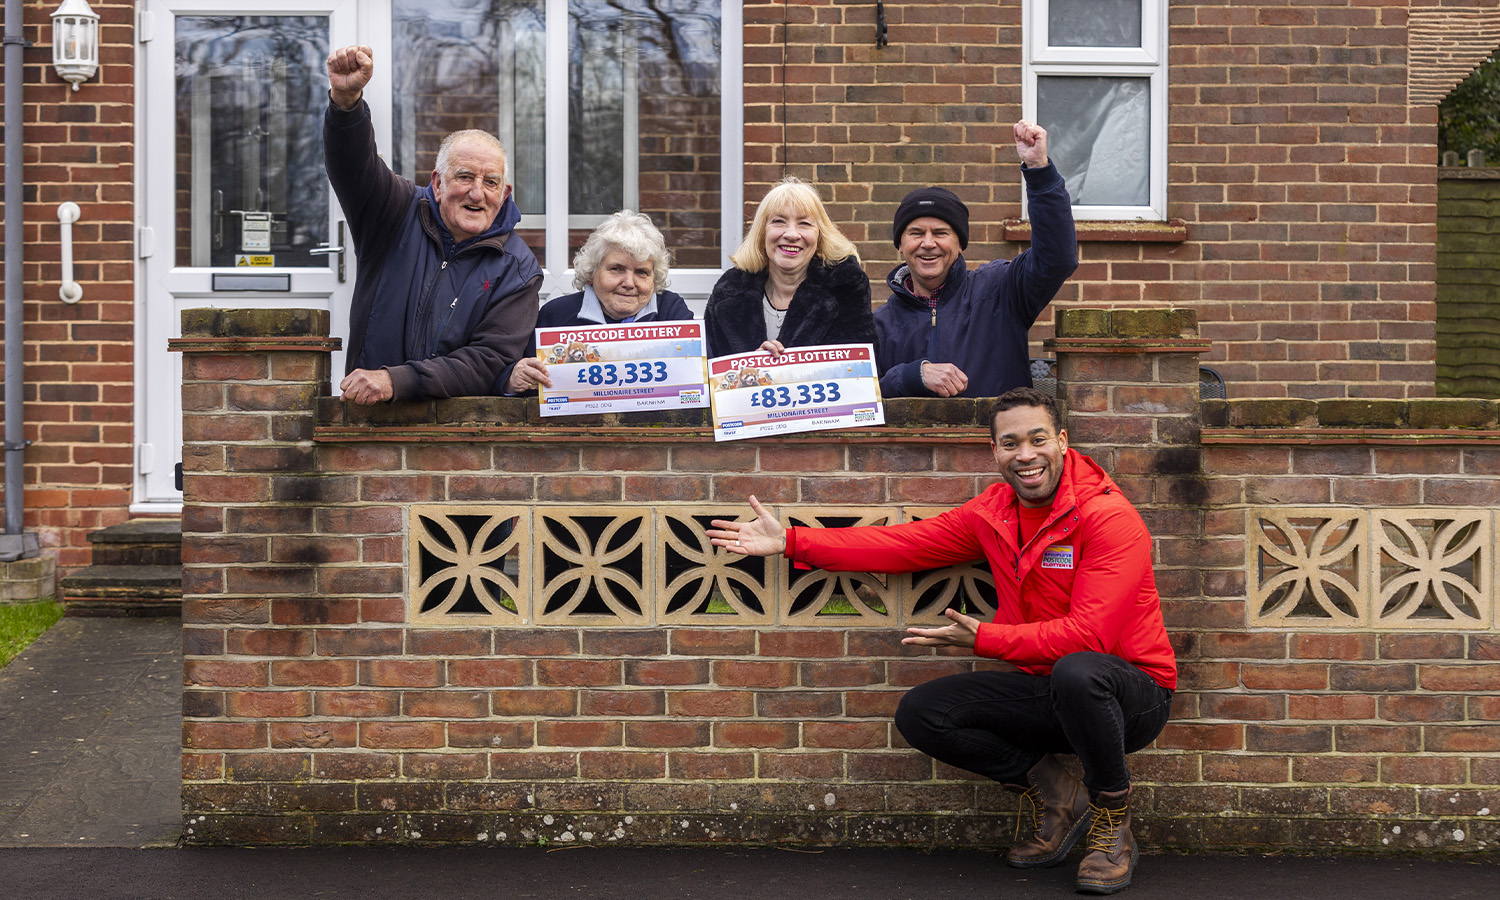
1000	724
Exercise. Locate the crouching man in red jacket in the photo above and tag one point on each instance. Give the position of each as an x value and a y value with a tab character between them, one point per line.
1077	614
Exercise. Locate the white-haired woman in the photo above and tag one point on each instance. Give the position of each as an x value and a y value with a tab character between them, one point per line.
622	270
796	281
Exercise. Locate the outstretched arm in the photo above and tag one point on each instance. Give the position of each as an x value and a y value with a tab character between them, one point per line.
349	71
1039	271
908	547
761	536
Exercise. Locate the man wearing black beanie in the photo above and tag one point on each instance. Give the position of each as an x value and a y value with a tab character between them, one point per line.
947	331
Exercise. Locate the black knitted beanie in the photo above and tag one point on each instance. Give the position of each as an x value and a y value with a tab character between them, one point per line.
933	201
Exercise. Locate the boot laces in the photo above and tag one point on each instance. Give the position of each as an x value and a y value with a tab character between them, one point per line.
1030	809
1104	833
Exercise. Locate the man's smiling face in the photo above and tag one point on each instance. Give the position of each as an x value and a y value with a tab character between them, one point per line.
1029	450
930	247
470	193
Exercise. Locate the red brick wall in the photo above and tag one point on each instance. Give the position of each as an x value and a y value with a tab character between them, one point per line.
1388	727
1304	173
319	708
79	146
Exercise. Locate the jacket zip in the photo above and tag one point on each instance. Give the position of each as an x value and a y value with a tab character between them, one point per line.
1015	559
427	338
443	322
424	314
932	336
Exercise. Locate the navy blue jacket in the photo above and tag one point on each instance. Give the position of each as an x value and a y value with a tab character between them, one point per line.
443	318
983	316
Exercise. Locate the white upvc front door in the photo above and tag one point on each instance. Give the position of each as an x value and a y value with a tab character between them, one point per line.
233	204
231	197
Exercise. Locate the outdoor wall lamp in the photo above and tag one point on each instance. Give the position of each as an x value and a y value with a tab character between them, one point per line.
75	41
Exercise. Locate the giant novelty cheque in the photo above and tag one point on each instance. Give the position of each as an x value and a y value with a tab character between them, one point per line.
622	368
804	389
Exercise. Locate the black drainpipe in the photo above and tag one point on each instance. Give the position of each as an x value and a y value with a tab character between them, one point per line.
14	544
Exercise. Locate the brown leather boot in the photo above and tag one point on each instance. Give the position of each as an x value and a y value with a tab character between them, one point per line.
1110	860
1053	816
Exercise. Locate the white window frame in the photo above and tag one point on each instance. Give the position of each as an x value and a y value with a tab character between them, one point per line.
693	284
1149	61
629	145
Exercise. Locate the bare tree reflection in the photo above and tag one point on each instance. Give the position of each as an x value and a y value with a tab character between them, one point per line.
250	96
643	98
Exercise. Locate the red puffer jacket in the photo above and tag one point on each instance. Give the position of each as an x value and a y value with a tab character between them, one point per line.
1083	582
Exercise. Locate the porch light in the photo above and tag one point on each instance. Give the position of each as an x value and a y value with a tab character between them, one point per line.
75	41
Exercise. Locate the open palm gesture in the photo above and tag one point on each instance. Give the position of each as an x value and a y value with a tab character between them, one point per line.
761	536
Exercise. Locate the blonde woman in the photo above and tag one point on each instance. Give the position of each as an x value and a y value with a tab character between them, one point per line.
796	281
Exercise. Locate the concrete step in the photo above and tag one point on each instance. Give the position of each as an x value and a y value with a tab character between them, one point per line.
139	542
123	591
136	571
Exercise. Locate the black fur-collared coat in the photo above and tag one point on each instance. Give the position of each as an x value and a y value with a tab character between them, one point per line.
831	306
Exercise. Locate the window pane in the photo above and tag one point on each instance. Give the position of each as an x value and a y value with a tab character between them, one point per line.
1099	136
1094	23
250	98
602	82
643	106
643	101
457	64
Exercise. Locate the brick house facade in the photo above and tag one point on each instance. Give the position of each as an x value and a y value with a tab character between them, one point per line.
1301	192
79	359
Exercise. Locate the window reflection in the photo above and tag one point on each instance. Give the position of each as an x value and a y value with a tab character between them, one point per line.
250	98
643	106
1099	136
1094	23
455	65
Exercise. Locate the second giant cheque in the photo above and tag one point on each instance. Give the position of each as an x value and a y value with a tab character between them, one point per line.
805	389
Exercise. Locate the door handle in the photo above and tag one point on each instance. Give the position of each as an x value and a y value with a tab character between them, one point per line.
327	249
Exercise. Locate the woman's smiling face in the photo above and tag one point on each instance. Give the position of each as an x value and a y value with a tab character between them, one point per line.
791	241
623	284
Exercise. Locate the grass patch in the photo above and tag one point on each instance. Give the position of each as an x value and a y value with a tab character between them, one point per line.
841	606
22	623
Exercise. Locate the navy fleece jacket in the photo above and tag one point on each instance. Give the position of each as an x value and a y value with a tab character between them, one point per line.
983	316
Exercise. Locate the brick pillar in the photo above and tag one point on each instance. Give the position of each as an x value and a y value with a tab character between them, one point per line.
251	380
1129	381
1129	378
